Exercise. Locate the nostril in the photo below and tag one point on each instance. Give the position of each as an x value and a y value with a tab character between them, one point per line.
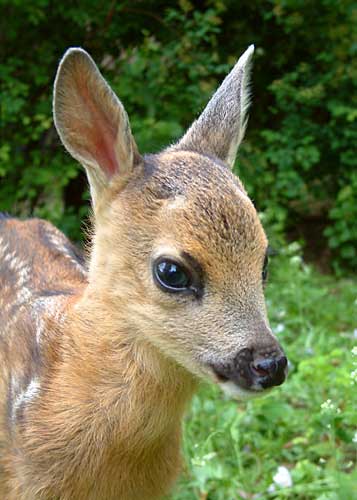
269	371
264	367
282	362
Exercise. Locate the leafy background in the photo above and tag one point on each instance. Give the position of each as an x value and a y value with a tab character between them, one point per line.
165	59
298	161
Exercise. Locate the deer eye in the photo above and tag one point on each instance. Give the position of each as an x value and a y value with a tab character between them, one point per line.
171	276
265	269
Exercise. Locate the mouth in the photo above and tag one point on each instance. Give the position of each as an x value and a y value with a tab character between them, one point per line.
234	389
249	378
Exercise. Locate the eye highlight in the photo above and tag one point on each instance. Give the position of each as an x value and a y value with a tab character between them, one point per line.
171	276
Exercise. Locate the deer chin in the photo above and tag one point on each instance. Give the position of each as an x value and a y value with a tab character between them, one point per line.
234	391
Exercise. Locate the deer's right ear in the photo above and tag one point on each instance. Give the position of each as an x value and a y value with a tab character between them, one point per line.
92	122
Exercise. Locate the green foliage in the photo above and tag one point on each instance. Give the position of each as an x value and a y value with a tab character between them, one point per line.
308	425
164	59
342	234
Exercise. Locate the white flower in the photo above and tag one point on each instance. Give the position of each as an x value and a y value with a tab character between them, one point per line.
295	247
202	461
283	477
354	351
354	377
279	328
327	405
295	260
354	439
307	270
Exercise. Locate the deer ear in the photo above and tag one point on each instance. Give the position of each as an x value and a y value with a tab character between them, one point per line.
91	121
220	128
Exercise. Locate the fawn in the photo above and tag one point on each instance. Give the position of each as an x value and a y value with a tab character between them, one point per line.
99	359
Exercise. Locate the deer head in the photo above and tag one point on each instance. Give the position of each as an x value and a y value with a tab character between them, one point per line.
179	253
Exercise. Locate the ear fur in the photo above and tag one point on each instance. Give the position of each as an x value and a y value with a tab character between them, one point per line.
221	127
91	121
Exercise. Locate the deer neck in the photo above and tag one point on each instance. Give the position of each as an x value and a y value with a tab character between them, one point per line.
128	383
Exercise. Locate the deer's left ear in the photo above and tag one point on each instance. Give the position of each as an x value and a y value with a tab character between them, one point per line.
220	128
92	122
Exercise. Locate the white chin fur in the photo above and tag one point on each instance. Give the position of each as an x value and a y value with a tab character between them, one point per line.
234	391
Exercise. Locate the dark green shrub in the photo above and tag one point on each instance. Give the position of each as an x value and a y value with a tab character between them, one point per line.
164	59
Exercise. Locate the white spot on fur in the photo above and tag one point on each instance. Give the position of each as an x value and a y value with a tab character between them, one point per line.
177	203
26	396
59	242
19	290
47	307
4	246
23	275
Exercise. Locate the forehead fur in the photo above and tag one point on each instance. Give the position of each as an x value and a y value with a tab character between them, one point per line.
204	205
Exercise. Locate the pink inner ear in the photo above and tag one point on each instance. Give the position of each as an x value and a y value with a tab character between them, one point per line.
103	151
97	128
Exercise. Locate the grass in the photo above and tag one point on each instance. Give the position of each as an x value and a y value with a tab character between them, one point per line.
308	425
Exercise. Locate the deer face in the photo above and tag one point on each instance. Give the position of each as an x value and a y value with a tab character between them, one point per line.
178	244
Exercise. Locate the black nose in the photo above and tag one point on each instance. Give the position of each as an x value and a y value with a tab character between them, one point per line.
269	371
254	370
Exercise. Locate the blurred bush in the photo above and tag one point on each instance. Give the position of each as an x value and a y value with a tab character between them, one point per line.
164	59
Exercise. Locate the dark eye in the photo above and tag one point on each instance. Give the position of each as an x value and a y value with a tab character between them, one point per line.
265	269
171	276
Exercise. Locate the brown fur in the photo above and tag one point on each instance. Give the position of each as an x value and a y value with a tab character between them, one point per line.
98	365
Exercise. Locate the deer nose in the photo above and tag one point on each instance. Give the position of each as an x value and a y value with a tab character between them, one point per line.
254	370
269	371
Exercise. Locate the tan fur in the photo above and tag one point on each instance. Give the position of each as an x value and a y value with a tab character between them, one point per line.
99	364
